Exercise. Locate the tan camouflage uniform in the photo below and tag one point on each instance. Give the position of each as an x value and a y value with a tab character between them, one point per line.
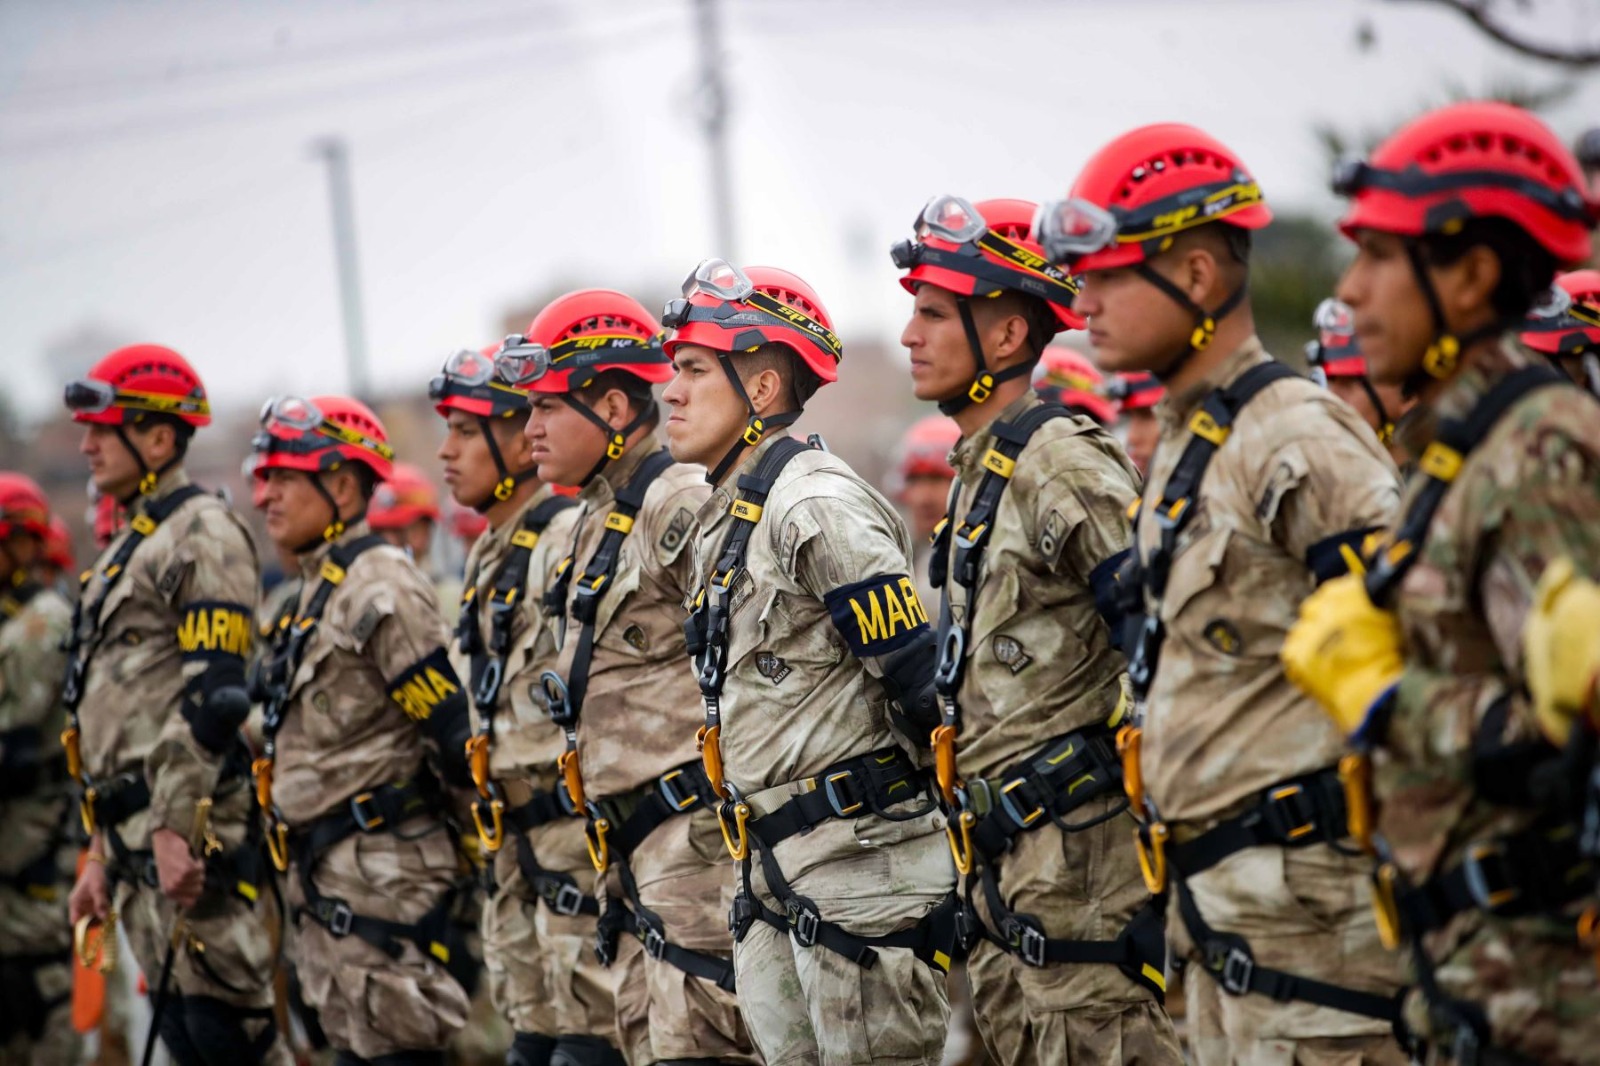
132	724
1222	723
1528	493
1040	665
798	700
36	853
344	735
542	971
638	722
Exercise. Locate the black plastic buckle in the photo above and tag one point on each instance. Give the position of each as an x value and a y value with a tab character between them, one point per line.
338	918
1291	813
586	604
364	822
605	944
1490	877
952	650
804	921
741	916
567	900
678	801
1027	942
1234	970
655	941
555	698
1013	811
831	789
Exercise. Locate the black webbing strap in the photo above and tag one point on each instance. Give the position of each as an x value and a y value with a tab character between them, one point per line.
1043	789
1537	871
635	815
1294	813
1209	428
15	598
559	891
435	934
969	540
1228	959
646	927
566	695
380	809
1439	466
114	802
851	788
86	621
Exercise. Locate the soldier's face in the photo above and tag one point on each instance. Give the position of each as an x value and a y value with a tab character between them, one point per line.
705	416
1133	325
1393	323
564	444
295	512
1143	432
112	468
942	363
469	470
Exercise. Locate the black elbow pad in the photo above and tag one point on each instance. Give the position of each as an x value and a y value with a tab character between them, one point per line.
908	675
217	704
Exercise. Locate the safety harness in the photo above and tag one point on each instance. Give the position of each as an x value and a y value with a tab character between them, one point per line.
382	809
984	817
871	783
486	677
617	825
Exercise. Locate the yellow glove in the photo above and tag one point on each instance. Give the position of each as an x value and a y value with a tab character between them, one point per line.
1343	652
1561	649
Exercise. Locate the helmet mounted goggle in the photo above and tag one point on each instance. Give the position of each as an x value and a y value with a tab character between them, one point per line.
92	396
1073	228
741	303
1335	324
1122	390
954	220
471	375
1558	313
291	425
521	362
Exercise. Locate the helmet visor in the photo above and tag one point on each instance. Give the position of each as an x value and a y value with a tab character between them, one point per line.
89	396
1069	228
464	369
949	218
719	278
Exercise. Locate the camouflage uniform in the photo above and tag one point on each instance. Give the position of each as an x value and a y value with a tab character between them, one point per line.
187	593
1528	493
379	643
1222	724
638	722
36	854
542	974
800	697
1040	665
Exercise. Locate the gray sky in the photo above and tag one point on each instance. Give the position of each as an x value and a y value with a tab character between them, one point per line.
156	178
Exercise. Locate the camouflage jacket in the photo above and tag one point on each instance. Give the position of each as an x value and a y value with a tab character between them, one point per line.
32	665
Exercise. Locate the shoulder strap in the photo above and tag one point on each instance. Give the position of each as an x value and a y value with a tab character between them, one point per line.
1209	428
15	598
969	540
1440	465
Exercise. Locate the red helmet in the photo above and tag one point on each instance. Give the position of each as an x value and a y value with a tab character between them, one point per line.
1135	392
23	507
925	448
105	517
138	380
58	545
579	335
1575	328
728	309
470	381
464	523
1472	160
1143	188
1071	380
1335	351
405	496
319	433
981	250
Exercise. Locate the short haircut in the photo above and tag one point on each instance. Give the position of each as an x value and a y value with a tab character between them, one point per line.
1526	269
1042	322
182	431
799	381
636	389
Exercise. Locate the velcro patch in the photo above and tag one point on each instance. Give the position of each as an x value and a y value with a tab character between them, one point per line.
877	616
215	627
424	685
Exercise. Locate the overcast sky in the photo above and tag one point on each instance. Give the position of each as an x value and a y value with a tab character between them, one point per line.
157	182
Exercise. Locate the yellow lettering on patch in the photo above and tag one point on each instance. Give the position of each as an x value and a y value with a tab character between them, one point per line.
419	695
225	630
872	624
919	614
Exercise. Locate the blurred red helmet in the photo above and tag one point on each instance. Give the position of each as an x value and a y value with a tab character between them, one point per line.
728	309
1472	160
58	545
23	507
405	497
1071	380
983	249
1135	392
320	433
1335	352
464	523
1140	191
924	450
106	518
1573	329
135	381
579	335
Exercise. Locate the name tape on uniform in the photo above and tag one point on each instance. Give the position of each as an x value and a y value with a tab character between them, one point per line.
215	627
424	685
877	616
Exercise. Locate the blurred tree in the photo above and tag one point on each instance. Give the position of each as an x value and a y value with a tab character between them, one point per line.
1535	28
1296	264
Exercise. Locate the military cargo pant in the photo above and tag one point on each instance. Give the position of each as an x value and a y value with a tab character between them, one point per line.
369	1001
541	965
1305	911
811	1005
1086	886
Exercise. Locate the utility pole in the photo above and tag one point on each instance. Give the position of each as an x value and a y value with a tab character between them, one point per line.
713	100
334	152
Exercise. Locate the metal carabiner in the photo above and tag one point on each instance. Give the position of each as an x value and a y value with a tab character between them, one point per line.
961	842
94	942
1355	775
1152	855
1386	904
572	776
493	835
1129	745
594	839
943	742
741	818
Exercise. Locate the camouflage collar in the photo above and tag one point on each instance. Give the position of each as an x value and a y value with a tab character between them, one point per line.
311	562
1174	409
602	489
168	483
967	456
716	506
1482	368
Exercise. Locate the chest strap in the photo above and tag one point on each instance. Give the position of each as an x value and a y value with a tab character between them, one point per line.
487	659
1438	468
1209	429
276	679
564	696
1295	813
84	639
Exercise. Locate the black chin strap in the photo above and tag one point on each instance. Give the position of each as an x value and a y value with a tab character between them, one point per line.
148	478
755	426
334	529
1439	362
1385	423
506	482
983	381
1205	322
616	439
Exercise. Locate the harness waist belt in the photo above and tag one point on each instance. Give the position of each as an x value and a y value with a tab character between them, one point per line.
1295	813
